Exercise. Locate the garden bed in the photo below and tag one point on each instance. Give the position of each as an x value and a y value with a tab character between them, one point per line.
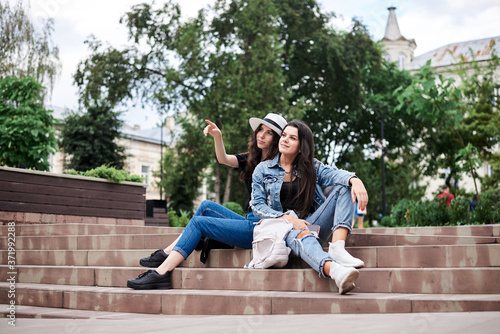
24	190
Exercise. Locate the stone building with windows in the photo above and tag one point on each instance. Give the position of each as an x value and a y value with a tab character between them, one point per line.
399	49
143	149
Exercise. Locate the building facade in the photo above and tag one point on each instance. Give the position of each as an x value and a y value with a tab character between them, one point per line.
443	60
143	151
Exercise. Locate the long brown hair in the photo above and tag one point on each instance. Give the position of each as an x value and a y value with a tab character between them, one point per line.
304	163
255	153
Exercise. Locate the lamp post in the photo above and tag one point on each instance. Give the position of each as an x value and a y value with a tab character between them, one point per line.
384	151
161	158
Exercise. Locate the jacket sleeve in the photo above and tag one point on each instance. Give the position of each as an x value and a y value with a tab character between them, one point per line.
329	176
258	200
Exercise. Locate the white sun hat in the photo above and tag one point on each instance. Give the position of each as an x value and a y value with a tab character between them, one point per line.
274	121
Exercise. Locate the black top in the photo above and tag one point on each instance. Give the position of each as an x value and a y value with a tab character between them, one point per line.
242	163
287	195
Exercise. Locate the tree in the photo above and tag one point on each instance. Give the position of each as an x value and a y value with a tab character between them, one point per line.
25	49
226	70
90	138
180	167
434	99
402	176
27	128
481	126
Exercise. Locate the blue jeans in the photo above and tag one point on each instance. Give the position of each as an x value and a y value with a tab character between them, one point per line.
216	210
216	222
337	211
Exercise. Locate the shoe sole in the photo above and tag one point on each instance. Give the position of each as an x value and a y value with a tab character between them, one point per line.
150	264
348	283
350	265
156	286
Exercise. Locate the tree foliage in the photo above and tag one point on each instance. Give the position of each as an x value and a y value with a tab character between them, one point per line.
90	138
25	48
480	84
27	134
435	99
242	59
183	174
226	69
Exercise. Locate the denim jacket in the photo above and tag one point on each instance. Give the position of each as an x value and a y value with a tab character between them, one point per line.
267	180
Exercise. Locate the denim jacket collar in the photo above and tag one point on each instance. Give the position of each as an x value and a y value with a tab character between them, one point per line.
276	163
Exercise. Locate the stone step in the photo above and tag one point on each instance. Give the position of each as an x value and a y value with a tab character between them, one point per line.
469	230
36	312
383	280
161	240
487	255
75	242
373	239
231	302
96	229
85	229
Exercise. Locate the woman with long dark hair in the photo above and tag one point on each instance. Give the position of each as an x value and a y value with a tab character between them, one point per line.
213	220
293	180
262	145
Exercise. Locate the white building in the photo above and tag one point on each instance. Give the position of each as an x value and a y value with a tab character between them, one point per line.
443	59
142	151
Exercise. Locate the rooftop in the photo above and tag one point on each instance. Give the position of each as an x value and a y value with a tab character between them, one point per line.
451	54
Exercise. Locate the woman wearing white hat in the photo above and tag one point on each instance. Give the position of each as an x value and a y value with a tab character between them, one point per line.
213	220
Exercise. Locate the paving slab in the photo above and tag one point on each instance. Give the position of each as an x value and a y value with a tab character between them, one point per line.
492	230
105	322
86	229
185	301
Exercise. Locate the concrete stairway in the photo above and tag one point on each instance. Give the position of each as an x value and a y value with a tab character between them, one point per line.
85	268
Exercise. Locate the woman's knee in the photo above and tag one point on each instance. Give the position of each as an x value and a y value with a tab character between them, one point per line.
303	234
204	205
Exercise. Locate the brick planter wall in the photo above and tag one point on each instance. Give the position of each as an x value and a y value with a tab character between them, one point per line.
39	197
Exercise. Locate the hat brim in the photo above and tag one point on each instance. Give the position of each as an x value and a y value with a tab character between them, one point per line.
255	122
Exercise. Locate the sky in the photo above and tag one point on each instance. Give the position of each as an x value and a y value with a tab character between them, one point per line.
432	23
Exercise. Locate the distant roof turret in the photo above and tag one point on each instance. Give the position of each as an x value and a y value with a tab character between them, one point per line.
392	32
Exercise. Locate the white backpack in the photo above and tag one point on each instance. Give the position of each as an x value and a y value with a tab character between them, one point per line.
268	247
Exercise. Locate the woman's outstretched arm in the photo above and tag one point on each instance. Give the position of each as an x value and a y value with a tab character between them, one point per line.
220	151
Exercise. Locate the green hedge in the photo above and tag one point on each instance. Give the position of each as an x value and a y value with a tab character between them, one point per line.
185	217
436	213
235	207
108	173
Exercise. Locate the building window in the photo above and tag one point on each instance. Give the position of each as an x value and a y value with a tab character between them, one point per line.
496	96
489	169
387	57
401	61
145	175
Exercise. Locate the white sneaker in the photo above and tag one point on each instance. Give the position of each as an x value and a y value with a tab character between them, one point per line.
344	277
338	253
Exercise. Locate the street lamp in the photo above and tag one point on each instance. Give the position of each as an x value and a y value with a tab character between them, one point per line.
384	151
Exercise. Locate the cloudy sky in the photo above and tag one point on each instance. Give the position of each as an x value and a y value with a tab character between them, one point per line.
431	23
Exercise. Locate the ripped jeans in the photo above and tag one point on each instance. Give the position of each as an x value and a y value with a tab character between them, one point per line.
309	250
337	211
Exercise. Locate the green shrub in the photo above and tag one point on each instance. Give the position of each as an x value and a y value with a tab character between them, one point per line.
436	213
108	173
184	218
235	207
173	219
460	212
176	221
387	221
72	172
488	208
424	213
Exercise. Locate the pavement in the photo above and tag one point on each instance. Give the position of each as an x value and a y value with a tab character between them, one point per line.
407	323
